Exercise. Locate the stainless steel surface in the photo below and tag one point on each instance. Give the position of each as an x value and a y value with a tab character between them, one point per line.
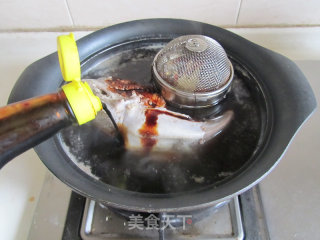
196	45
254	219
101	223
193	71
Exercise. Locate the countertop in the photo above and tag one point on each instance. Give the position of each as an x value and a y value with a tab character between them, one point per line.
290	193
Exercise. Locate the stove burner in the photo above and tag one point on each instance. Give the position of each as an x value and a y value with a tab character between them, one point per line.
172	219
241	218
100	222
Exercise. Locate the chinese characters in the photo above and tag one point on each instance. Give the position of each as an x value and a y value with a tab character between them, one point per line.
153	222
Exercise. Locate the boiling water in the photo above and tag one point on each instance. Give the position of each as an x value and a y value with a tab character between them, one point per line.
96	149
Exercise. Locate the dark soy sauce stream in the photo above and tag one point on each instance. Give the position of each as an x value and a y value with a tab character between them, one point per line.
118	134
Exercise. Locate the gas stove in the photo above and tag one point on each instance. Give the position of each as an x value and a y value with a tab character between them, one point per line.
84	219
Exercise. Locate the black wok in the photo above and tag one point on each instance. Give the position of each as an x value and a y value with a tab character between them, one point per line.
270	96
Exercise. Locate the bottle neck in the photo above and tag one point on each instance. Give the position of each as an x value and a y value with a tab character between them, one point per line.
27	123
64	101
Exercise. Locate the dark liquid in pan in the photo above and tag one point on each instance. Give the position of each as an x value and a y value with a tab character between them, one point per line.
100	153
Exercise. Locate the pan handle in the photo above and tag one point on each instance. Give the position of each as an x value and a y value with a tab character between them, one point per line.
25	124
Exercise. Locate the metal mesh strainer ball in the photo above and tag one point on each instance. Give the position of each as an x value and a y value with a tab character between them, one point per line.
193	71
